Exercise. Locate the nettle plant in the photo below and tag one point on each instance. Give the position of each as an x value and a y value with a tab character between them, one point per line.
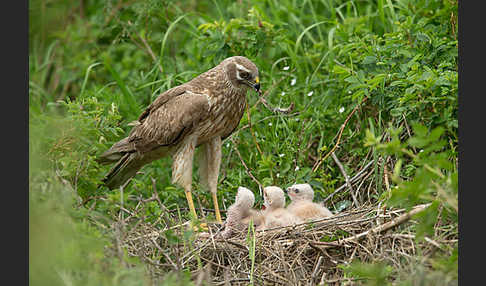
435	175
88	127
238	36
411	71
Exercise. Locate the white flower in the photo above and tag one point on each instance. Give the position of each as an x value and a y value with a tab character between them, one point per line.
227	145
283	93
341	110
293	81
286	68
310	93
270	124
297	168
349	91
278	175
281	155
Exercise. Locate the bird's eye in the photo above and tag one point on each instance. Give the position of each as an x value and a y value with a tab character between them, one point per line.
296	191
244	74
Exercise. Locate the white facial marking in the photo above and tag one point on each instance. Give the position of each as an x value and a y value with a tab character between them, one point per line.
238	75
240	67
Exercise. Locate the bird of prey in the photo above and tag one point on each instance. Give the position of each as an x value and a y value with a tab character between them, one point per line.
302	206
198	113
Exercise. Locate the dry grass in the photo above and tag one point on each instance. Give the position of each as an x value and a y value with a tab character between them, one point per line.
305	254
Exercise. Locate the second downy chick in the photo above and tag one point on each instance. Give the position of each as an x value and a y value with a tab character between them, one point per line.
302	206
275	215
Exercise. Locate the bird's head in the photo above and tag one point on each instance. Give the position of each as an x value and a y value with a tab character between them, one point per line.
245	198
242	72
274	197
300	192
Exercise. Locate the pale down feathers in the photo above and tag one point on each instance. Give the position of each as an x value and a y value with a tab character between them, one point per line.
301	196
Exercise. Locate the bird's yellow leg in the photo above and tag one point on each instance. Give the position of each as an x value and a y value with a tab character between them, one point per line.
190	202
216	208
192	209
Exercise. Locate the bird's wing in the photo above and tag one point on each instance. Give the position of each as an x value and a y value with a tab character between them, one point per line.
169	119
162	99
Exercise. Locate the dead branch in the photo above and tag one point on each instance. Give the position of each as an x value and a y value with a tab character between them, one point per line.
352	181
245	166
380	228
346	177
319	162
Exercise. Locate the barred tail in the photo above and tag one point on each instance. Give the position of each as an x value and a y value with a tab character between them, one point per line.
116	152
125	169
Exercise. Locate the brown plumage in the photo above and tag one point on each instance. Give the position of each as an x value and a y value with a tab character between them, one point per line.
275	214
200	112
302	206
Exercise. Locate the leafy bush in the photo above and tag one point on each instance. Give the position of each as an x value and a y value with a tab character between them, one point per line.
91	73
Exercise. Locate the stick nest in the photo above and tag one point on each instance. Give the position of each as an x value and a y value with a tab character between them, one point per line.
305	254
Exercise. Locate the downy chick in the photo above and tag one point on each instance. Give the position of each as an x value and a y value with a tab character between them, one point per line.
275	215
302	206
240	213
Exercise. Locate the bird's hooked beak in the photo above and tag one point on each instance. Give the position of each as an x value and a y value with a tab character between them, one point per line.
256	86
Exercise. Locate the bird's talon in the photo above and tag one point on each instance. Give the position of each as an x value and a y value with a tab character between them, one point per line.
200	227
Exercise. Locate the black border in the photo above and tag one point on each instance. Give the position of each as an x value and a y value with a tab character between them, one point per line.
471	126
15	136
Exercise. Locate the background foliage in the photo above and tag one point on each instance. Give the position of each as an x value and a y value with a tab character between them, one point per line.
94	66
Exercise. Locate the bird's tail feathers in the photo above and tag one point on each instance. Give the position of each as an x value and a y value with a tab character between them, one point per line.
115	153
124	169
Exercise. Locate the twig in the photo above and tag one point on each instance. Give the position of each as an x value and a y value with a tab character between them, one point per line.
316	268
326	220
278	109
261	120
118	239
85	201
151	53
121	203
408	130
116	9
156	197
346	177
380	228
352	180
265	103
163	253
385	172
340	133
186	209
246	167
251	129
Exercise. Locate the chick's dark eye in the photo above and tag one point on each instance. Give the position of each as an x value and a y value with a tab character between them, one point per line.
296	191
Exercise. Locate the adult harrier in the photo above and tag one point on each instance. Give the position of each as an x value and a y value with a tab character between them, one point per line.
201	112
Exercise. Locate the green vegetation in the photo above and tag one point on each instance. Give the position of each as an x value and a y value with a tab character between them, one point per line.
94	65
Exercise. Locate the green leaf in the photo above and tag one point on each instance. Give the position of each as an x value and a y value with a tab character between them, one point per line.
369	60
342	205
